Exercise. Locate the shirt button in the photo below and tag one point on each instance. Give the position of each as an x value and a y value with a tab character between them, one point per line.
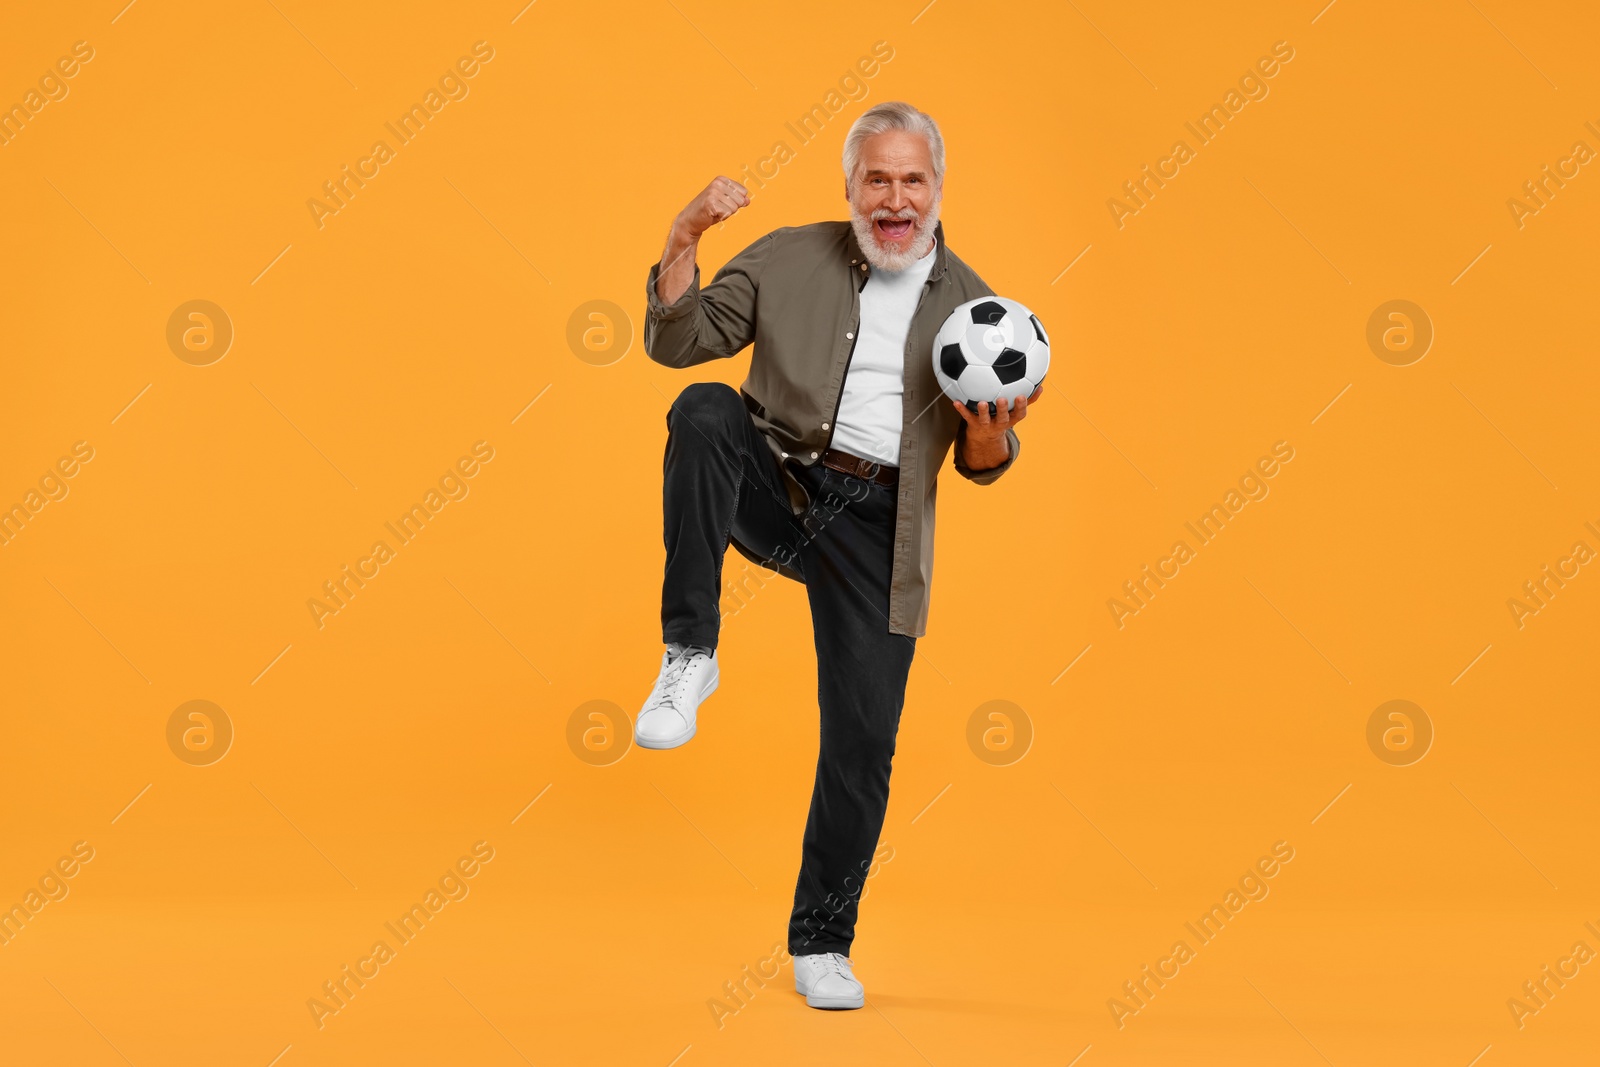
849	337
785	455
824	426
813	455
863	266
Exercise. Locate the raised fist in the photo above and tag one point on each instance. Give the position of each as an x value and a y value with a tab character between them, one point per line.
716	203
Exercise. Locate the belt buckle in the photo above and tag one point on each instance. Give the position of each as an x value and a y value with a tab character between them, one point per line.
869	469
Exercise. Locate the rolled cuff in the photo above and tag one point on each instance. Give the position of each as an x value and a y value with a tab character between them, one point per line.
989	474
680	307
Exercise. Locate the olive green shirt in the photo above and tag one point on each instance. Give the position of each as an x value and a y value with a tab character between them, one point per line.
795	294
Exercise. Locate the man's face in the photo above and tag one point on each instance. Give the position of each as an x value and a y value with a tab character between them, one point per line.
894	202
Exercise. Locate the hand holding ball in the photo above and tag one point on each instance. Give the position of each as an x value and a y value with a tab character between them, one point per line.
990	348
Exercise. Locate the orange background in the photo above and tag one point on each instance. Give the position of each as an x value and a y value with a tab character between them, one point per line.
369	354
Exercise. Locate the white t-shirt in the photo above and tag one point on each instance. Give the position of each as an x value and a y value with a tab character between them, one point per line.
868	423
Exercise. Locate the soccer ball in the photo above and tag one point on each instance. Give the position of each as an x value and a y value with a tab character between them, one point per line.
990	348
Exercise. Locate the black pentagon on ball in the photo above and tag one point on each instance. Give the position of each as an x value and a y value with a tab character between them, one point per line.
1038	328
988	313
952	361
1010	365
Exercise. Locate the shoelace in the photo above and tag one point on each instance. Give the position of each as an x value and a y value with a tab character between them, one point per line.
836	963
673	680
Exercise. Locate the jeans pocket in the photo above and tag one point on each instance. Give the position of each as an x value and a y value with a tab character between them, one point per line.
835	494
814	479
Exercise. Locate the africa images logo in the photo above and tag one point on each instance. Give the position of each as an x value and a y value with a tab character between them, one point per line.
1207	128
1252	886
452	486
1252	487
339	991
53	88
452	85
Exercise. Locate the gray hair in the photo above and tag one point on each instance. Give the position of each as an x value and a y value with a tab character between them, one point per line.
891	115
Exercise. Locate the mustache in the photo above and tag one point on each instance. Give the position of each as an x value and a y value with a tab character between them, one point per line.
903	213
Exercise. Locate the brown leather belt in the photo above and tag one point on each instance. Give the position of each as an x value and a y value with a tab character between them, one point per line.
865	469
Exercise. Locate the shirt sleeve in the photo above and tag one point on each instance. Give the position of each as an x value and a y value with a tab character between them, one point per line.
711	323
984	477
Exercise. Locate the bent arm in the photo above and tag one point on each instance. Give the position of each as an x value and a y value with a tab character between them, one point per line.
685	324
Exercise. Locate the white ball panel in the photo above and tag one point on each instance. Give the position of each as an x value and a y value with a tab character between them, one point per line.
978	383
1038	360
984	342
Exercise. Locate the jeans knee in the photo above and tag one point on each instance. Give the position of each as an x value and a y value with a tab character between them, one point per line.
867	753
704	403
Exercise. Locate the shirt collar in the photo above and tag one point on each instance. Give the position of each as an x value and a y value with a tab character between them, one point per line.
855	256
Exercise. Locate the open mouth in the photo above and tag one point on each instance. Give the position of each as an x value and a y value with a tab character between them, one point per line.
892	229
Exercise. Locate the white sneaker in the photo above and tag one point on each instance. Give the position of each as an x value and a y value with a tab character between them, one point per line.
826	981
687	677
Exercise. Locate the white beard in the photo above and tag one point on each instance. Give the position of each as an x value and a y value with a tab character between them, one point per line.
921	236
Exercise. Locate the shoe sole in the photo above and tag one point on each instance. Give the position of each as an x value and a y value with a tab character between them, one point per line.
836	1003
683	738
833	1003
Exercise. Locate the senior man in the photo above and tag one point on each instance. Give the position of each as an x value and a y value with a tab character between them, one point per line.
823	466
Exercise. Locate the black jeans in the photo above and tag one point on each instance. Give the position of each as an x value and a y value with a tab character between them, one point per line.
720	480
